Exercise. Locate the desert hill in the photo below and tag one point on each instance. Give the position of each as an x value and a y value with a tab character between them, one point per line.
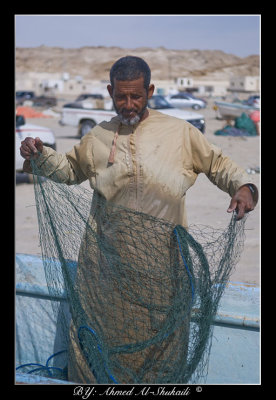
95	62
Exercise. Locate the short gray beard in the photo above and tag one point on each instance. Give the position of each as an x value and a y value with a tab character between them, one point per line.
131	121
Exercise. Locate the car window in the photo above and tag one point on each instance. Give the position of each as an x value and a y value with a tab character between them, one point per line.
19	120
180	96
158	103
89	96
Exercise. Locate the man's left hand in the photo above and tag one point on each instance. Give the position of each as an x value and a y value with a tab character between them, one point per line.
242	202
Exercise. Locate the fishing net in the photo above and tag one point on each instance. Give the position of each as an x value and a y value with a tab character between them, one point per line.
141	292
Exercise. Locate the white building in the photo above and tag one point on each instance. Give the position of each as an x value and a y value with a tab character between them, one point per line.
202	87
184	83
244	84
59	84
52	85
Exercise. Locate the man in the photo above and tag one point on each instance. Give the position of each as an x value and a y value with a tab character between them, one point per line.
142	160
157	157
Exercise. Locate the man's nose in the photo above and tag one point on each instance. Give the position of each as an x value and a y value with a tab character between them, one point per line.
129	103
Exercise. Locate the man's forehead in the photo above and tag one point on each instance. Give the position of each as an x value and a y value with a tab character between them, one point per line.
133	85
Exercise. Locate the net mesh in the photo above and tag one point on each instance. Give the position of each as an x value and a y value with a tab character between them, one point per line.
142	292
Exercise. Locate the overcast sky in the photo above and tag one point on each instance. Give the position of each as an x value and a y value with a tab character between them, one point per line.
235	34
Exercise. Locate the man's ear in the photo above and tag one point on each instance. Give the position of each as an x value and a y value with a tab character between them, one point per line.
150	91
110	90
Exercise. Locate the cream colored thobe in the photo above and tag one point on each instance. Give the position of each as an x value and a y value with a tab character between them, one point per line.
156	162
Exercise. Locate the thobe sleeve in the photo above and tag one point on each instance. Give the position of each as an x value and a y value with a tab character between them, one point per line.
219	168
71	168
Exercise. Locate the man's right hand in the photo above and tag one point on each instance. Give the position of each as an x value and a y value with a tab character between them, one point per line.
30	148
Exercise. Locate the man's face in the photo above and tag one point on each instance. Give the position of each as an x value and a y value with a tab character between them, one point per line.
130	100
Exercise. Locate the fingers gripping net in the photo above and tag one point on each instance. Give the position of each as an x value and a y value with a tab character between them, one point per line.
142	292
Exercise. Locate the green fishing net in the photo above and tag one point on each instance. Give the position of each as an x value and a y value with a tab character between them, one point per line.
141	292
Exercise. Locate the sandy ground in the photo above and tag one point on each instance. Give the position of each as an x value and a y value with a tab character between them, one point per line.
206	204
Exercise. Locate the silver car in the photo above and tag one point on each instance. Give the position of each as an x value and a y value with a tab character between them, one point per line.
183	100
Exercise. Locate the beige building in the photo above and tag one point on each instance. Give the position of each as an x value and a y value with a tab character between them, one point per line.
202	87
65	85
244	84
59	84
210	87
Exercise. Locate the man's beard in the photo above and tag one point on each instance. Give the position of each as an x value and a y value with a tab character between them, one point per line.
129	121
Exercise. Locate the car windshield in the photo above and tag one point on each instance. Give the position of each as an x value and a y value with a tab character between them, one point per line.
89	96
158	103
19	120
23	94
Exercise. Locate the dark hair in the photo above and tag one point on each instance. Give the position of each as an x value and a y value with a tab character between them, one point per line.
130	68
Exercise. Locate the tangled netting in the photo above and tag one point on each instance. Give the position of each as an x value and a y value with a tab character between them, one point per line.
144	293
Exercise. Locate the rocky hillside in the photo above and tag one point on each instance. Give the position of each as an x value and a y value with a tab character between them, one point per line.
95	62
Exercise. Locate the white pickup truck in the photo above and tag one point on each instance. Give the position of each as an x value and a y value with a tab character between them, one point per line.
84	117
24	130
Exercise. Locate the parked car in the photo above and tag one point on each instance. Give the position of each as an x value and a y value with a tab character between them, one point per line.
39	101
252	101
184	100
89	101
84	116
23	95
24	130
85	96
78	115
158	102
44	101
195	97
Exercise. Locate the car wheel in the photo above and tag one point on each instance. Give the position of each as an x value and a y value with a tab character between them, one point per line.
85	127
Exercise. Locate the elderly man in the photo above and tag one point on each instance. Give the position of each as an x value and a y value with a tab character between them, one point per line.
142	160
